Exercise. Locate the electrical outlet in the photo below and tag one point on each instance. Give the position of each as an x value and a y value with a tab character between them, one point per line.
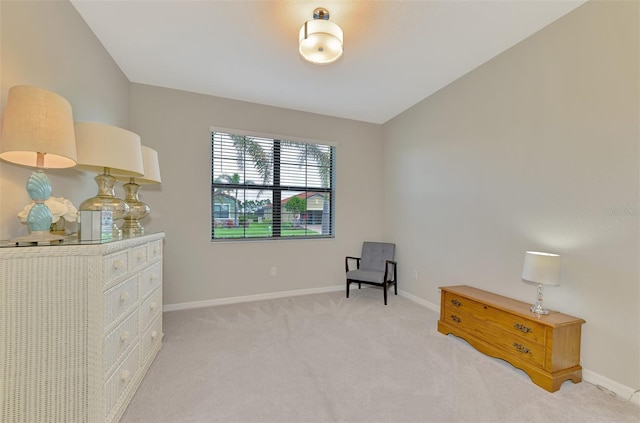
274	271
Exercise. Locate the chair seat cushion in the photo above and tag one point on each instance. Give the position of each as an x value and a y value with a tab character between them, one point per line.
366	276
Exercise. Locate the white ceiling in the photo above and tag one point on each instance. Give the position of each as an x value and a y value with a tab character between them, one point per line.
396	52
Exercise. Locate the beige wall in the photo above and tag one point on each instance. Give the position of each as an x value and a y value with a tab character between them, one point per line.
177	124
537	149
48	45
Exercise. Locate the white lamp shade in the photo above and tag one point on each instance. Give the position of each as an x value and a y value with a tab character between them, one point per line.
38	121
104	146
541	268
320	41
151	168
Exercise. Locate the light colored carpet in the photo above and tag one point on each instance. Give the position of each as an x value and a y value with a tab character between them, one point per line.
324	358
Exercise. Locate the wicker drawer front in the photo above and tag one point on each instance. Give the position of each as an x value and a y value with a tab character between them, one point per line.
117	384
528	330
151	278
138	256
516	346
120	299
118	341
151	308
154	250
151	337
115	266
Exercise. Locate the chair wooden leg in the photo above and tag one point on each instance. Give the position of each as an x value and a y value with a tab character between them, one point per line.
384	289
348	288
395	287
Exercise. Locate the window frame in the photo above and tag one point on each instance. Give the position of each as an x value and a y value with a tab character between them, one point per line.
276	187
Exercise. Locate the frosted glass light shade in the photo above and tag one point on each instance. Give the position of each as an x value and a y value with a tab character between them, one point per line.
38	121
320	40
541	268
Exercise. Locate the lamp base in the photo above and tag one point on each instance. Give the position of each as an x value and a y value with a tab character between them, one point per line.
537	308
38	237
132	227
137	210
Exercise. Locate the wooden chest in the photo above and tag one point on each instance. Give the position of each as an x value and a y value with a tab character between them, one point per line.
546	347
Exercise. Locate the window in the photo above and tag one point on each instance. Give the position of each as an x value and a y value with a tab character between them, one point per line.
265	188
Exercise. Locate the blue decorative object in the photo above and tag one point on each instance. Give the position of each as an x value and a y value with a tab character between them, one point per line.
39	189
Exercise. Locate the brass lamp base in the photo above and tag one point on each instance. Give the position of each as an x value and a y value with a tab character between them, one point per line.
106	200
137	210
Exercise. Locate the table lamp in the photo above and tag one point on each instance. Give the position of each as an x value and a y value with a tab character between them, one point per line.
543	269
137	209
38	132
105	148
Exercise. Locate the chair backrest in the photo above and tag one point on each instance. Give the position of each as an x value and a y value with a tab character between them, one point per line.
375	254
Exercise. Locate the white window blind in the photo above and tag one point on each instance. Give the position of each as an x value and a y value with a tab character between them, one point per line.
265	188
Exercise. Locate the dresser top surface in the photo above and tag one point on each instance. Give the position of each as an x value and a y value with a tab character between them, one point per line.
511	305
73	247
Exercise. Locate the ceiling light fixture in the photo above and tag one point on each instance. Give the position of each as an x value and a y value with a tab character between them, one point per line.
320	39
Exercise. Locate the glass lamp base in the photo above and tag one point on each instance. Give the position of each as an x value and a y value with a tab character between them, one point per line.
537	308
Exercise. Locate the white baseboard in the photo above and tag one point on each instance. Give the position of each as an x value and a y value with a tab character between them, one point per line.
621	392
421	301
248	298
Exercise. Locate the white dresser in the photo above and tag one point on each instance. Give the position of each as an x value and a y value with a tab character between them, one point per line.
79	328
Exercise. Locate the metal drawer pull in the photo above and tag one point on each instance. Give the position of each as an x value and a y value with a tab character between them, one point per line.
456	302
521	348
522	328
455	318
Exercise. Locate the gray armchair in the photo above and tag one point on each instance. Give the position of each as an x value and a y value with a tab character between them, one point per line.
376	266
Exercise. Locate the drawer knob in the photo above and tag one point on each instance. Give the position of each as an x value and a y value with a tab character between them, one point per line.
521	348
118	265
154	334
456	302
124	335
455	318
140	255
156	251
125	375
153	305
124	296
153	277
522	328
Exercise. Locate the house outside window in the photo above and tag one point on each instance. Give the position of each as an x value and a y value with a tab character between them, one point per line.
269	188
